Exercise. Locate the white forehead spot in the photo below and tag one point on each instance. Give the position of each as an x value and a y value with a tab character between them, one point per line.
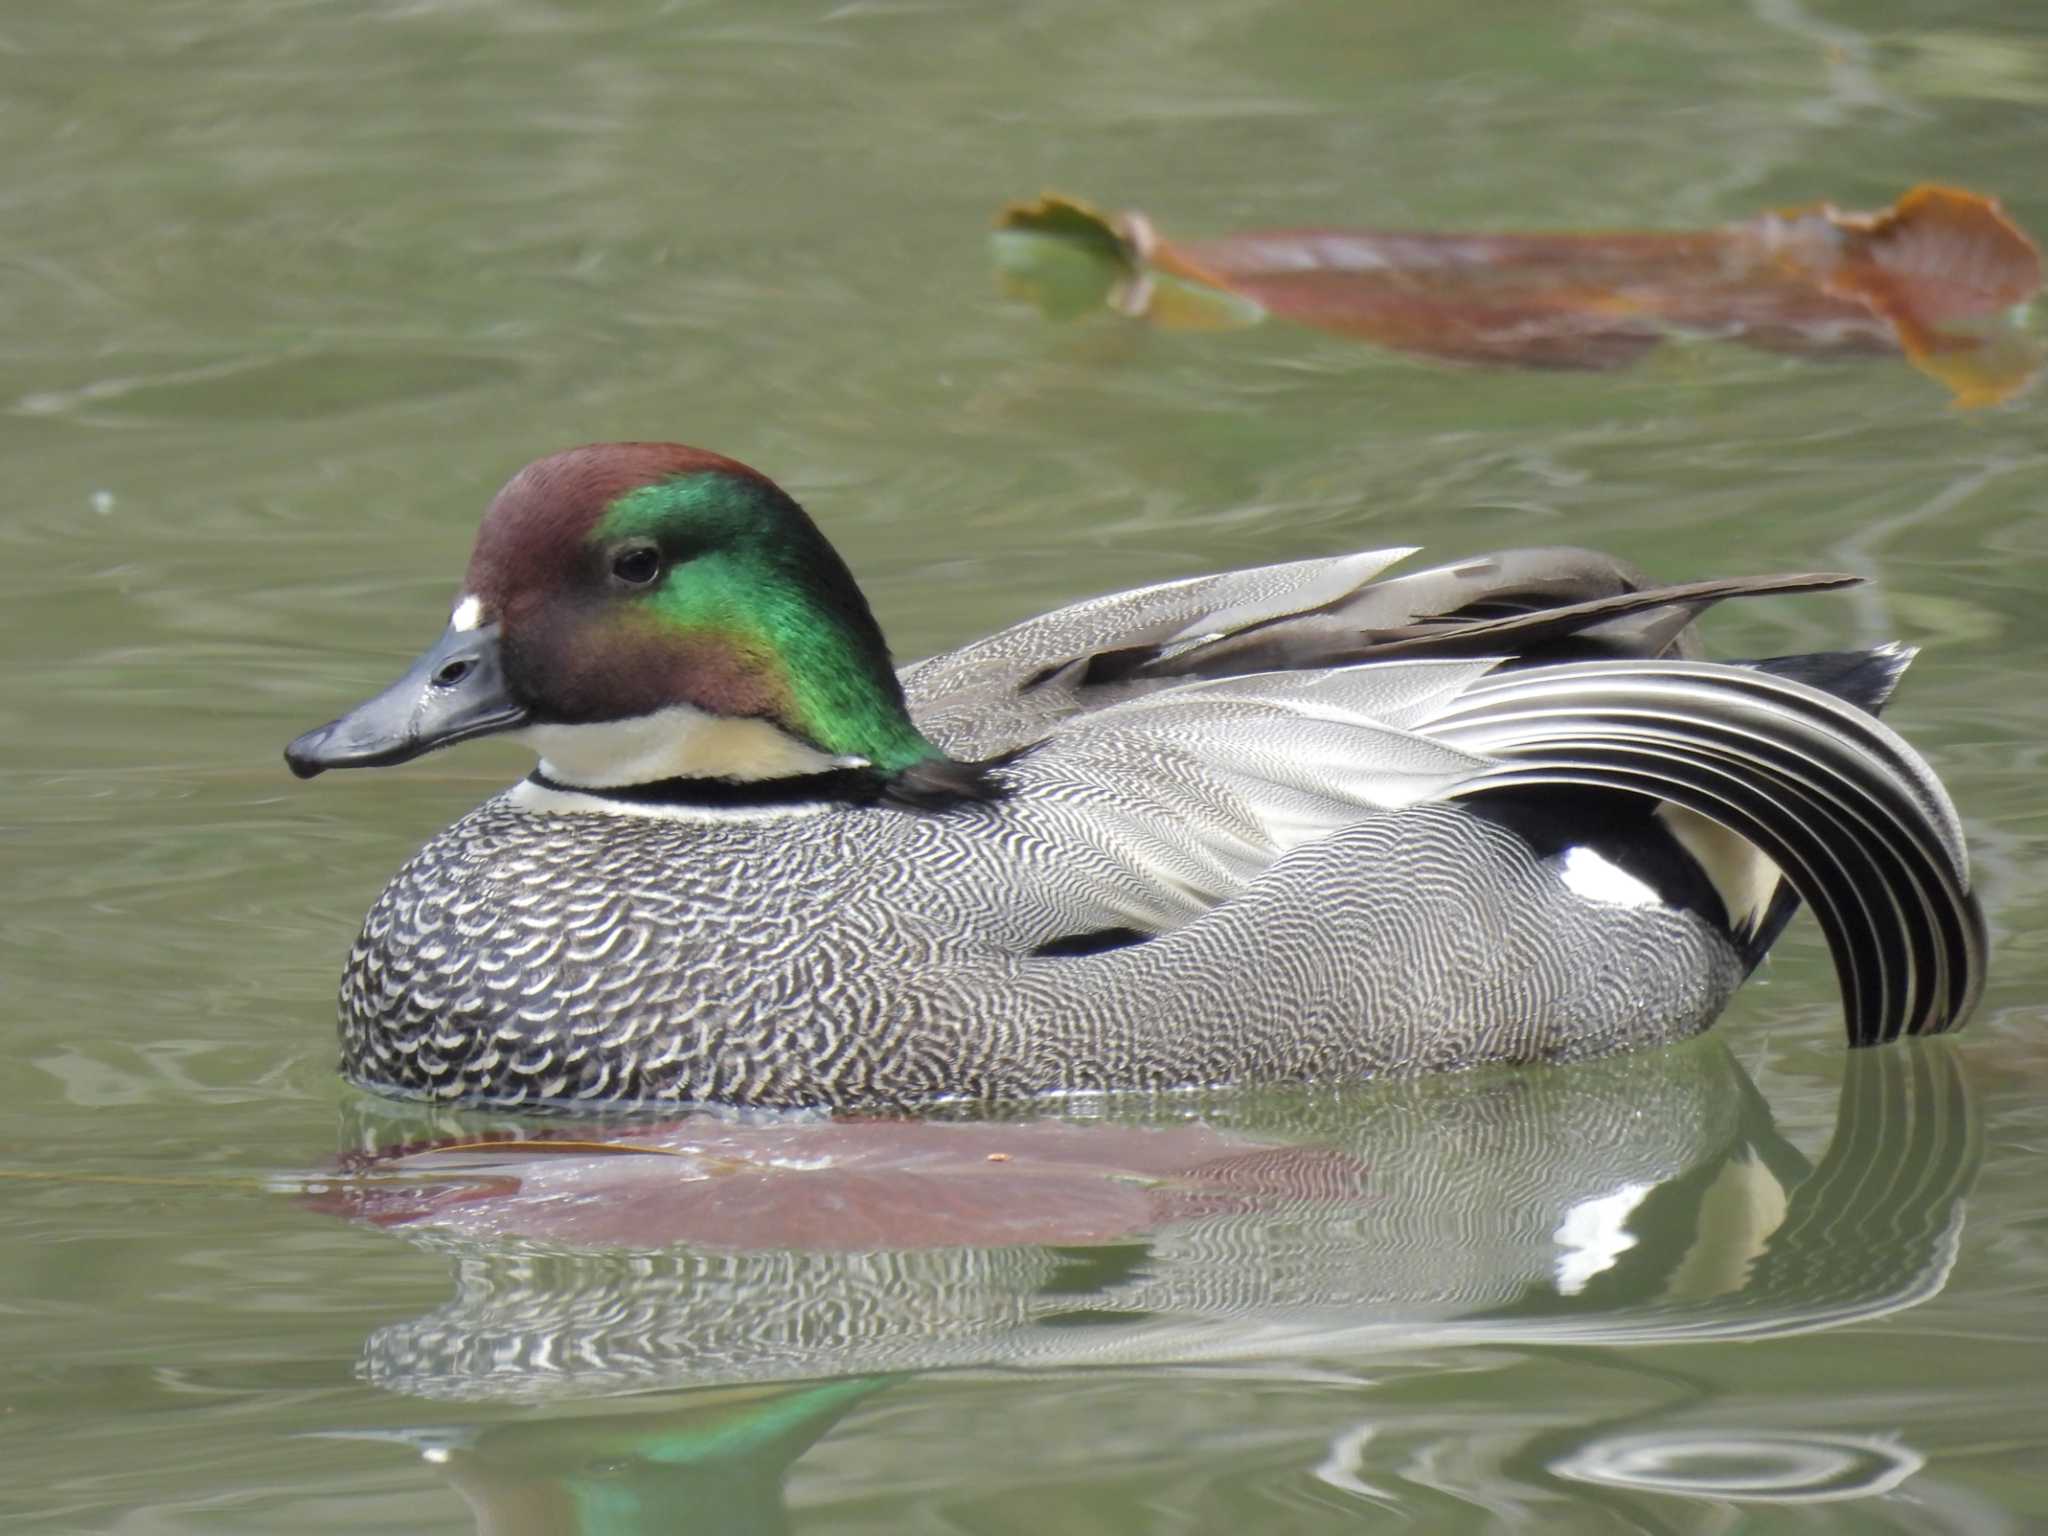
468	613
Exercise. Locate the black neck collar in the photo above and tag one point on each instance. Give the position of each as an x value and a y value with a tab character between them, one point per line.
848	786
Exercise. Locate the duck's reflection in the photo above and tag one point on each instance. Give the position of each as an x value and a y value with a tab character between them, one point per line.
712	1462
1642	1198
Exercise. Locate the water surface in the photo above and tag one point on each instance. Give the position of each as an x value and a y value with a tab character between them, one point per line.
290	290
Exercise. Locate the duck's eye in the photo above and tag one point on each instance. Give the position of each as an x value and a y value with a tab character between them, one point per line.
636	564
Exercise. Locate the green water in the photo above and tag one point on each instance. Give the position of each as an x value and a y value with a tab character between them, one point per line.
290	289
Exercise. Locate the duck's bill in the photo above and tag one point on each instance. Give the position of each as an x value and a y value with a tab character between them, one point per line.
454	692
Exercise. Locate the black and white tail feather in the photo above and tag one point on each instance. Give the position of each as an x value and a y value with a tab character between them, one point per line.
1836	800
1192	733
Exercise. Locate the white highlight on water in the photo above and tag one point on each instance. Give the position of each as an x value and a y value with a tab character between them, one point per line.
1593	1234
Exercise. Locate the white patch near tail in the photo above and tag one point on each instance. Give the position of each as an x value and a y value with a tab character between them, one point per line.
1597	879
1743	877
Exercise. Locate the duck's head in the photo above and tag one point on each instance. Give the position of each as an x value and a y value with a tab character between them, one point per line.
640	613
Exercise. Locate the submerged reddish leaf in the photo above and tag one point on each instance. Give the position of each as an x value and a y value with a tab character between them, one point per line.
1938	276
836	1185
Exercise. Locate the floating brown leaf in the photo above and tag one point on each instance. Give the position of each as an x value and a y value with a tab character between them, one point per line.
1938	276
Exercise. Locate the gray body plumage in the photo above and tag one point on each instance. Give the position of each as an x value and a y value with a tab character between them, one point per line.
1251	785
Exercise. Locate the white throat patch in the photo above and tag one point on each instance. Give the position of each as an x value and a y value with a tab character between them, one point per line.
530	796
677	742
